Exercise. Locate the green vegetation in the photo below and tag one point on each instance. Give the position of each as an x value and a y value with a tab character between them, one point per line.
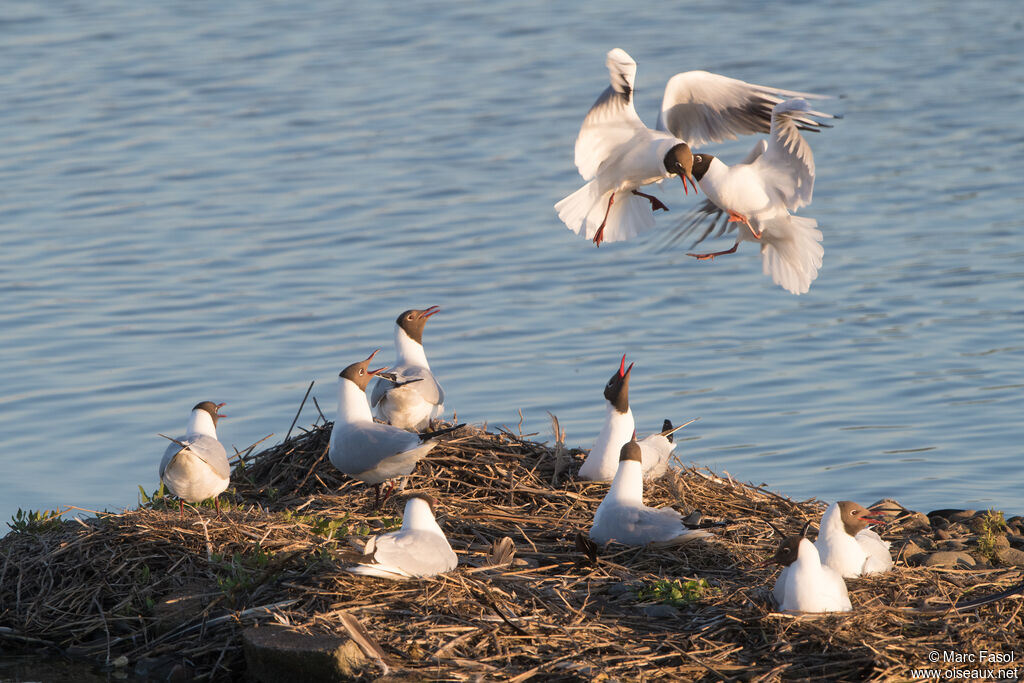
331	529
35	521
992	525
674	592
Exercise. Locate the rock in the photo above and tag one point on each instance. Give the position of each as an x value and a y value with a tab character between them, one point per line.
1010	556
949	558
943	534
660	611
619	588
693	519
913	554
1016	541
274	654
952	544
947	513
962	515
938	522
917	521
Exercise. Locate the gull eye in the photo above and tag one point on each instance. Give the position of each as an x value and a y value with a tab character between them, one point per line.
361	372
698	158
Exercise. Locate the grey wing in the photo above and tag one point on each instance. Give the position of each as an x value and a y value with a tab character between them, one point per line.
416	378
416	552
658	524
206	448
701	107
707	220
788	163
365	446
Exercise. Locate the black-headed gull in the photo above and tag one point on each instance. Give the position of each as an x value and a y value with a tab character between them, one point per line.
847	545
418	549
364	449
408	396
616	153
195	466
623	517
805	585
619	427
775	178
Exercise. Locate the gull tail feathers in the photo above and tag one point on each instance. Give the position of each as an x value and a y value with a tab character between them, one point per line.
380	571
791	252
630	215
687	536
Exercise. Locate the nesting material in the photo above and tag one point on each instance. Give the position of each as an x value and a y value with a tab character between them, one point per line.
143	586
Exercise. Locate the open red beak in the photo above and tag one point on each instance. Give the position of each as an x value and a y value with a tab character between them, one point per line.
430	311
686	190
622	366
377	371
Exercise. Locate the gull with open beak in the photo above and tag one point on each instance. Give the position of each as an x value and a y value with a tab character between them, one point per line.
759	193
619	427
408	396
195	466
847	545
366	450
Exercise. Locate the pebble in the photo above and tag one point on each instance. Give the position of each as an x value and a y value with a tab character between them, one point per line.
1011	556
274	653
660	611
950	558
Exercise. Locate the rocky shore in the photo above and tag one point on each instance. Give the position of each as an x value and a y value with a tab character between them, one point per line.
259	593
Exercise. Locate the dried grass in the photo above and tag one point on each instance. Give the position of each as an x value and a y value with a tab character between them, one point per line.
145	585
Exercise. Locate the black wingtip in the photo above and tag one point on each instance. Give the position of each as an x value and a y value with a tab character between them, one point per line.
426	436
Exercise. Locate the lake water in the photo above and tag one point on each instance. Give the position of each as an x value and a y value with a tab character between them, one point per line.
229	200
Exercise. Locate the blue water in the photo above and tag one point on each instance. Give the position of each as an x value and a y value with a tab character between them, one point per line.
227	201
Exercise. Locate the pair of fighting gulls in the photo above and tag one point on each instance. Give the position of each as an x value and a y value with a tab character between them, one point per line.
617	154
812	576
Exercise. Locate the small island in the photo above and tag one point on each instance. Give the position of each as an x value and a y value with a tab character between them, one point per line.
260	592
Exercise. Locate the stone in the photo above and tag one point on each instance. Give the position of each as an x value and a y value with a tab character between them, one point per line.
949	558
660	611
276	654
1010	556
952	544
938	522
962	515
943	534
913	554
916	521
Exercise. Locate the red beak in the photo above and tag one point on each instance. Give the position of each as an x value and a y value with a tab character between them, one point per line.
219	406
377	371
873	520
430	311
685	190
622	366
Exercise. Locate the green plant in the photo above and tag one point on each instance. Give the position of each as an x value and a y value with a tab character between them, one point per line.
35	521
327	527
992	525
674	592
239	573
158	496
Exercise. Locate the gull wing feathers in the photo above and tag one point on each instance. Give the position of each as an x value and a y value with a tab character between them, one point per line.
408	553
612	121
702	107
206	448
366	446
788	163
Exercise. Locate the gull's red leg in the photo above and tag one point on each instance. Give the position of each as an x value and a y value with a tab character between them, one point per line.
599	235
713	254
656	203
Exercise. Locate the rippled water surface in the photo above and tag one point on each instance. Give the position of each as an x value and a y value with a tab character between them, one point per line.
229	200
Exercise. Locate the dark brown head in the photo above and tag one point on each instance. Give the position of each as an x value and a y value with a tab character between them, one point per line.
679	160
617	389
700	165
212	408
359	373
413	321
630	451
855	517
789	547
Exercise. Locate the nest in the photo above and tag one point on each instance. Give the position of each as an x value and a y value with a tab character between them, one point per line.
147	588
